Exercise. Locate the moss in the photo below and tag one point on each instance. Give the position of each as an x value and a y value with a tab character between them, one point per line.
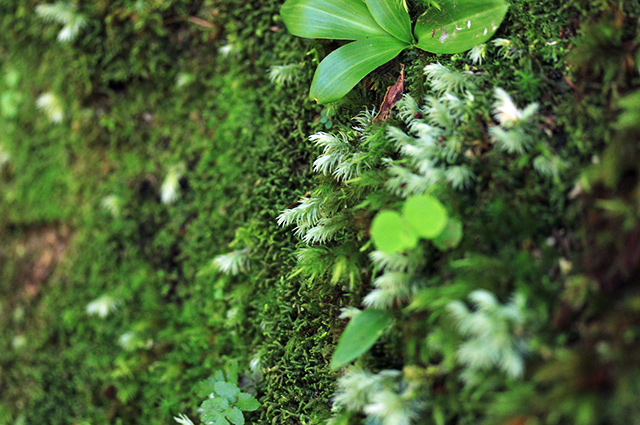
243	143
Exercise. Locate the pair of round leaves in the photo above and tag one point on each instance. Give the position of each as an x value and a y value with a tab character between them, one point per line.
422	216
381	30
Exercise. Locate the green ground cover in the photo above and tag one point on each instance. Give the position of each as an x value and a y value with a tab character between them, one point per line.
533	317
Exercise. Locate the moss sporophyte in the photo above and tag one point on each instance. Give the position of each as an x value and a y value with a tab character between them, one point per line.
380	30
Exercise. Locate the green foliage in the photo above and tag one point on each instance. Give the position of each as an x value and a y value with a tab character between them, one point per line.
225	402
422	216
457	26
175	97
364	329
391	233
381	30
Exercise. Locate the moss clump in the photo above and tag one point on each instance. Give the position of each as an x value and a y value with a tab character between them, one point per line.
181	89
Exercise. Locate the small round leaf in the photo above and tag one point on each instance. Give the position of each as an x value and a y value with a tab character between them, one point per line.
426	215
391	234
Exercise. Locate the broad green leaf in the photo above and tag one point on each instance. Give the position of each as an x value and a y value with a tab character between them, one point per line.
450	236
216	404
426	215
247	402
393	17
459	25
214	418
360	334
335	19
390	233
234	415
226	390
339	72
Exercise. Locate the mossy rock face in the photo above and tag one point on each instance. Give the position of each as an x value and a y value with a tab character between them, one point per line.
176	95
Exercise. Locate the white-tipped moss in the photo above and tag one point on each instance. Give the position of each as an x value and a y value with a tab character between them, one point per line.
549	167
306	214
477	54
354	389
443	79
102	306
112	204
170	190
514	141
506	48
492	333
284	74
326	229
388	407
459	177
184	79
65	14
408	108
226	49
51	105
183	419
505	111
394	262
233	263
390	289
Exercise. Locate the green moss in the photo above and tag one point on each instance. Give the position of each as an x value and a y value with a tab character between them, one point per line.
243	144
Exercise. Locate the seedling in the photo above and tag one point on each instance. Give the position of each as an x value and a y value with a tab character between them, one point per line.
422	217
381	29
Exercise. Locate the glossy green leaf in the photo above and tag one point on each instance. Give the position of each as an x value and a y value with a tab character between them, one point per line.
247	402
426	215
216	404
214	418
335	19
234	415
226	390
339	72
360	334
450	236
459	25
390	233
393	17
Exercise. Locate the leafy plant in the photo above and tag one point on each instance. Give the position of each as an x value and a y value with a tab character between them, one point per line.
225	402
360	334
381	29
422	217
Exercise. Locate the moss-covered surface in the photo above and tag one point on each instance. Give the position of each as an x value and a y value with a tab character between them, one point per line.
153	87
